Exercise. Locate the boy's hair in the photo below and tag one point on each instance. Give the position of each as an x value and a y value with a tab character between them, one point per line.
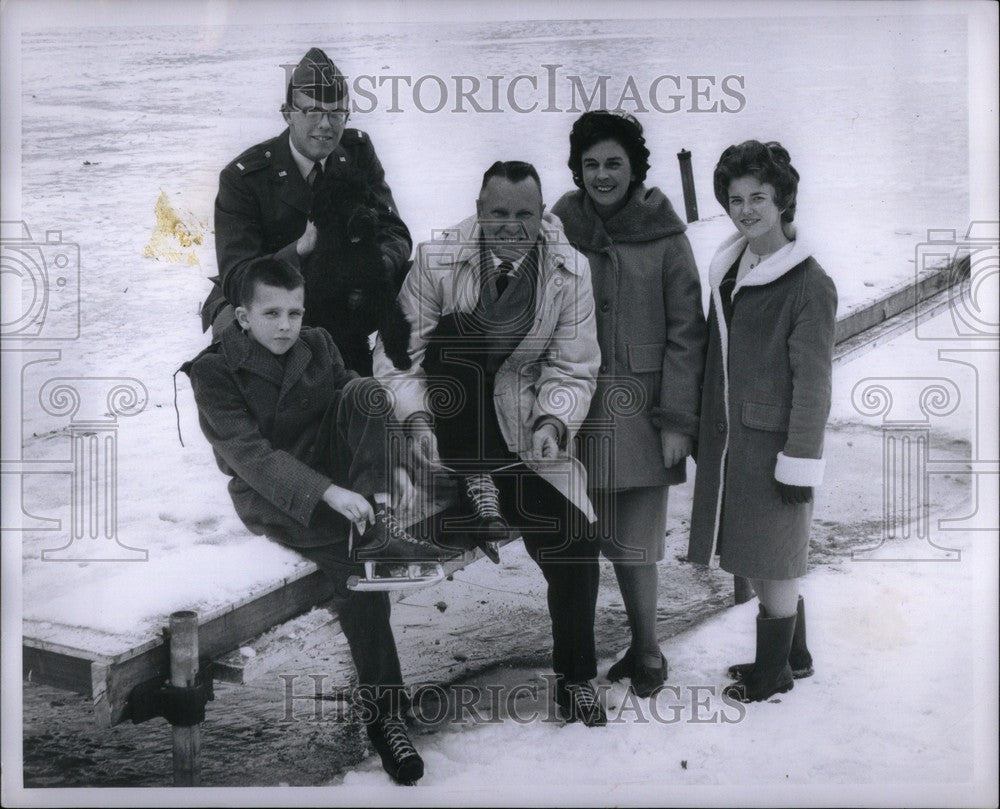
513	170
269	271
769	163
600	125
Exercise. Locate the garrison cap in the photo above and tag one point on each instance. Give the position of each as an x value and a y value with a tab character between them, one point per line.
317	76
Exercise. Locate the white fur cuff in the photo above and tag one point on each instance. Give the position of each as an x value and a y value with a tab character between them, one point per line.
799	471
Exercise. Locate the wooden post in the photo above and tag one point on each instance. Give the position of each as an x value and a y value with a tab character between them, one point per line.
742	591
183	668
687	183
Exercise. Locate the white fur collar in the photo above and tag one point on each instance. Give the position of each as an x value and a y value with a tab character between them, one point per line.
770	269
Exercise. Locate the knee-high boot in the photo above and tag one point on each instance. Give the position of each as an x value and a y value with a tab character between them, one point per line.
770	673
799	657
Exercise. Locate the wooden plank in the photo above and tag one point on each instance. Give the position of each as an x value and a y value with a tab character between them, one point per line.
860	344
220	634
108	681
896	301
69	670
266	653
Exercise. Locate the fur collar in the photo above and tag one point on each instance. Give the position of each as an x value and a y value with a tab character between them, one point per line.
771	269
647	216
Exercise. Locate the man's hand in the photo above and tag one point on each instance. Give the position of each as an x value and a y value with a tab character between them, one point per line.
351	504
307	241
421	441
545	442
675	446
403	492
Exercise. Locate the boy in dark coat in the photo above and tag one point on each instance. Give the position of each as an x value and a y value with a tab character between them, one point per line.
304	440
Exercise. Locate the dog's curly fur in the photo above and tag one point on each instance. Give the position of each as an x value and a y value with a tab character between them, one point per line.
349	290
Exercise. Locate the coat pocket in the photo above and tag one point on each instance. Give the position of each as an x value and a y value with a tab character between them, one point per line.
646	358
770	417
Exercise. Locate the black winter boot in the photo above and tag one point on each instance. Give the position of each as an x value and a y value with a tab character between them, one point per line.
798	658
578	702
770	673
399	757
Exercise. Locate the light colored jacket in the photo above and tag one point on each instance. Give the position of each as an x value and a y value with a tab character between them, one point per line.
551	372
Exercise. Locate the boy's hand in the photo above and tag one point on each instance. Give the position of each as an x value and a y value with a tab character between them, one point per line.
675	446
351	504
307	241
545	442
403	492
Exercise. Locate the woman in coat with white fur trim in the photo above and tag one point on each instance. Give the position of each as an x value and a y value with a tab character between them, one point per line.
765	403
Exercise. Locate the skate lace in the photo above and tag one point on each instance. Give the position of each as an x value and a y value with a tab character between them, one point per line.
484	494
396	529
397	739
583	695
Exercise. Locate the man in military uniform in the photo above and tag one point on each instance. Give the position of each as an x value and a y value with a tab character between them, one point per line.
265	194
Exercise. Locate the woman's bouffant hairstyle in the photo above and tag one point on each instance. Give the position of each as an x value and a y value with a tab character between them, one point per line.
769	163
600	125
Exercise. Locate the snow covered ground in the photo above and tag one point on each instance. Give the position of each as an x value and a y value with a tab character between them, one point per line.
901	710
114	118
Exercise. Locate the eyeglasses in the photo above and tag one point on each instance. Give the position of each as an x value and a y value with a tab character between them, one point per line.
316	114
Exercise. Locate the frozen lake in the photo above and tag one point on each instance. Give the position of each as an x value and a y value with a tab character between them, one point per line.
873	110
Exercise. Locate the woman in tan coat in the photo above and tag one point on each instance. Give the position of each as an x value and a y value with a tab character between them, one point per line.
764	408
644	415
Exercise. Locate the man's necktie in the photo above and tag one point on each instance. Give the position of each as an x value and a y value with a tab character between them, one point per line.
505	270
316	175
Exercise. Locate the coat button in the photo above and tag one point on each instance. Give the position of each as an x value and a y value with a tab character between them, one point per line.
603	369
605	306
720	426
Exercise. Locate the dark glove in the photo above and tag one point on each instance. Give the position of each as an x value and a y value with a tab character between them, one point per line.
794	495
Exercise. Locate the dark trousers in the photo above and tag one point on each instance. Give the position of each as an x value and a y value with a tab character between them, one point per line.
351	444
554	537
470	440
364	618
351	449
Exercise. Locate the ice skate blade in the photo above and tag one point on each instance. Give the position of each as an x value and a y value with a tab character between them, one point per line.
414	579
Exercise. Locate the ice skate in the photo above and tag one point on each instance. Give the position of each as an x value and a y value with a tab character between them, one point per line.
483	498
578	702
399	757
393	558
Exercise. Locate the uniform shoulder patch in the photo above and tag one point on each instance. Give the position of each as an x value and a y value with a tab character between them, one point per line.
253	159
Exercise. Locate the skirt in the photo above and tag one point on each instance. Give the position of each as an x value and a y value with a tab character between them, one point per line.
632	524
